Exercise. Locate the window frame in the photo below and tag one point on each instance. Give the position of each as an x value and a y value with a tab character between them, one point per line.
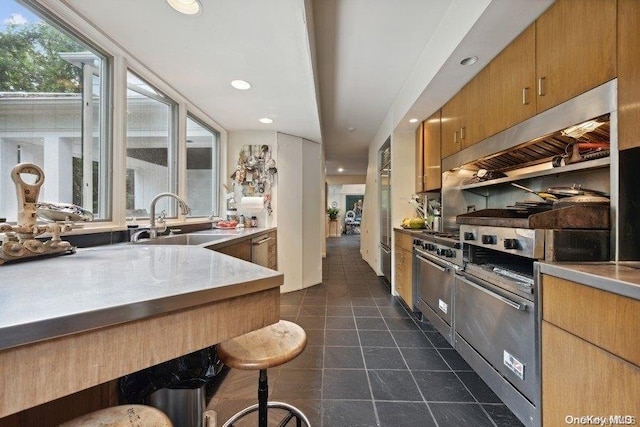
121	61
105	175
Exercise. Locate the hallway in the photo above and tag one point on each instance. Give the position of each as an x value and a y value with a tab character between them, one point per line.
368	362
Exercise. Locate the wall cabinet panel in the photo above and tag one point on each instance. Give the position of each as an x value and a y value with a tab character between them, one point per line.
419	159
432	135
512	80
575	49
454	114
628	74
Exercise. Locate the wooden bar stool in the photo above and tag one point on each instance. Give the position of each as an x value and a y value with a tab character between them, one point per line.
122	416
264	348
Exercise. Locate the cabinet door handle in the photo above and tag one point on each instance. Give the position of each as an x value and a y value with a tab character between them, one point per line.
462	132
525	96
541	86
455	137
258	243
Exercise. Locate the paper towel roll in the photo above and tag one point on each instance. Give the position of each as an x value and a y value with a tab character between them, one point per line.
252	203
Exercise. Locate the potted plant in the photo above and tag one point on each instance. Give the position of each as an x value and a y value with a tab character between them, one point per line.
333	213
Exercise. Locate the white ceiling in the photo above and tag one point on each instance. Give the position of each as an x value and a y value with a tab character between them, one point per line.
317	67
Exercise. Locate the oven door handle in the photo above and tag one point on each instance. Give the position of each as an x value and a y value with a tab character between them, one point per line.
433	264
516	305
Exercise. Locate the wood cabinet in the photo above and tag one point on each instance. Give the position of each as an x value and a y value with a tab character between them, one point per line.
575	49
419	158
590	357
475	124
454	114
569	50
511	96
403	276
241	250
628	74
428	169
463	120
432	171
273	250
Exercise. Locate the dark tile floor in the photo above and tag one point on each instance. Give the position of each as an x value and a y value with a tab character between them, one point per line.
368	361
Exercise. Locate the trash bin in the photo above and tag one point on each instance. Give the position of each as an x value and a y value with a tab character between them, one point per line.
178	387
184	406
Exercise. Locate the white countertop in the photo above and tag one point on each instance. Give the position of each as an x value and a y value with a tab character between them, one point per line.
107	285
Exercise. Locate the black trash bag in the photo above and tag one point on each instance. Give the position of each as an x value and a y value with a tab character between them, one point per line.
189	371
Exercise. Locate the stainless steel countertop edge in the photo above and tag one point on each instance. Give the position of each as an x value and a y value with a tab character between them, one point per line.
29	333
604	276
18	332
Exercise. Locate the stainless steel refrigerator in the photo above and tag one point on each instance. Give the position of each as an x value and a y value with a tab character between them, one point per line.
384	176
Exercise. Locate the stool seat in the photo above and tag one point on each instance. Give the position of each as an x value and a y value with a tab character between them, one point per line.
264	348
122	416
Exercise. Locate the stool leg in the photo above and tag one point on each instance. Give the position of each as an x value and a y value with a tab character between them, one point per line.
263	393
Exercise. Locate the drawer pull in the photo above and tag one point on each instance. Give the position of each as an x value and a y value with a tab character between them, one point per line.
541	86
525	96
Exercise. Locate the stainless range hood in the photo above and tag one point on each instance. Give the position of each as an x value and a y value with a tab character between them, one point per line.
539	137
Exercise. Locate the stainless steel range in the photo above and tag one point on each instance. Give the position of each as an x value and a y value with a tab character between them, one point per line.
437	256
496	295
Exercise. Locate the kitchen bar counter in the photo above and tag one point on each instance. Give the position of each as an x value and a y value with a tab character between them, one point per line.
71	322
622	278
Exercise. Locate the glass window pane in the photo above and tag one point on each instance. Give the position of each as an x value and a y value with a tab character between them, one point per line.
52	112
202	174
151	149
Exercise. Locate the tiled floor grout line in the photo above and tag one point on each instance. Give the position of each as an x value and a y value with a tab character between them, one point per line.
424	399
366	371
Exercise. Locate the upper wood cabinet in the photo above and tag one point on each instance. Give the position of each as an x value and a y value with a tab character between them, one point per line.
512	82
420	158
454	114
432	171
628	74
475	124
575	49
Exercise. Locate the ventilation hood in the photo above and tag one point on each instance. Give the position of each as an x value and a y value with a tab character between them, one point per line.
579	129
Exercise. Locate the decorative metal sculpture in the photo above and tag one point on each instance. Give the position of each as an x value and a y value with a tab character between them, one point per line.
18	241
255	173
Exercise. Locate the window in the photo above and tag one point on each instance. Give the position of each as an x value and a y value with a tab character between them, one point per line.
151	148
202	177
53	111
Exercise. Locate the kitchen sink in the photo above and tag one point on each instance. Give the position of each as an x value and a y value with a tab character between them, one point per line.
183	239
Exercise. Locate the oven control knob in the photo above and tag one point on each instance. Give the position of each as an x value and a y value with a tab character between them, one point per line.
488	239
416	242
511	243
456	245
469	236
449	253
431	247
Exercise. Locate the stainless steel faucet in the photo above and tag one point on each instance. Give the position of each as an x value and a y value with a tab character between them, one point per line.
153	228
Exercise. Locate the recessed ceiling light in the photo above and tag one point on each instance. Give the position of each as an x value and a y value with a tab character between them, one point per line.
241	84
351	129
340	169
469	61
266	120
188	7
413	120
